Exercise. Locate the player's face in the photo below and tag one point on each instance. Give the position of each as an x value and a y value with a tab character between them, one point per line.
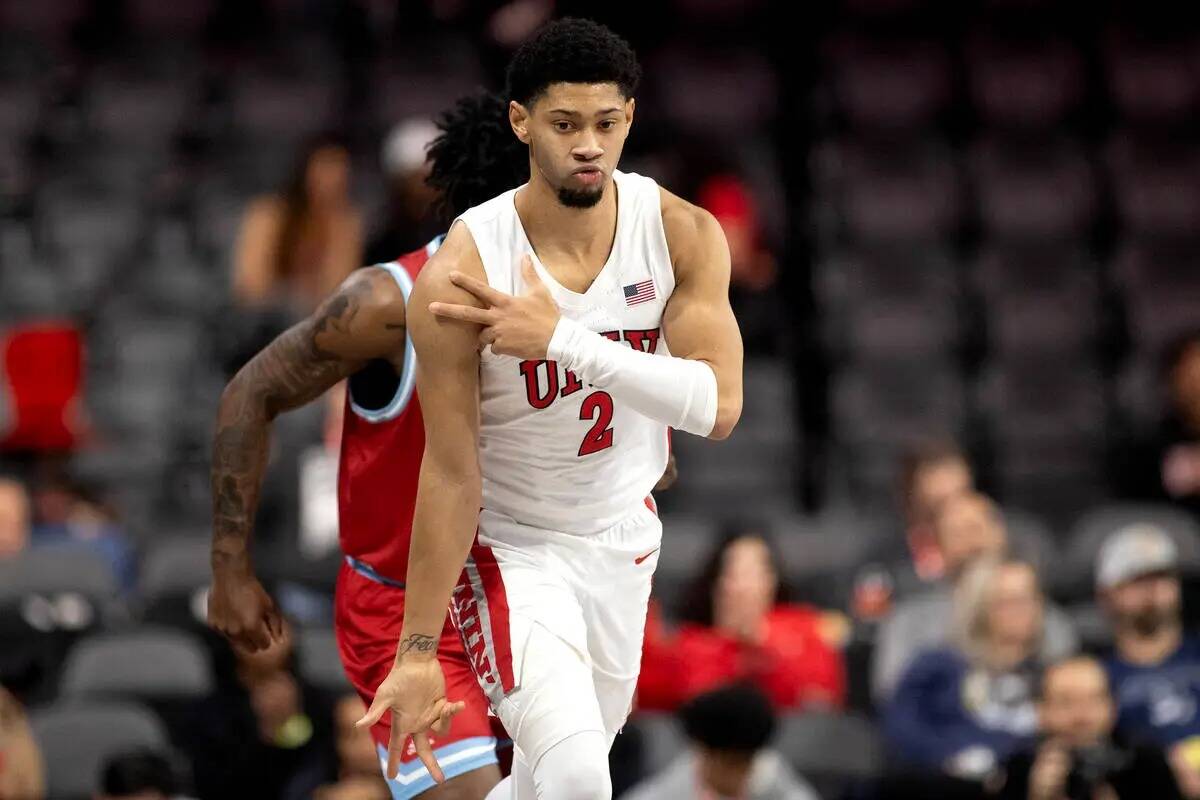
575	133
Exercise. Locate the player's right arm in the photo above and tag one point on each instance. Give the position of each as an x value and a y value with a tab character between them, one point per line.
362	320
448	500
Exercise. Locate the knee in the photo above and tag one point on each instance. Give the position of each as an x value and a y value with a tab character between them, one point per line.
587	781
575	769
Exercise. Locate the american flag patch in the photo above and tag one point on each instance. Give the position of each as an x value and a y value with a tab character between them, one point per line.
641	292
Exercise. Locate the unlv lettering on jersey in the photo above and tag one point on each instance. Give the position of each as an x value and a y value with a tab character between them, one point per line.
466	615
542	391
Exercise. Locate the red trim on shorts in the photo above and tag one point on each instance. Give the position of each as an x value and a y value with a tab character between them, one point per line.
650	504
497	603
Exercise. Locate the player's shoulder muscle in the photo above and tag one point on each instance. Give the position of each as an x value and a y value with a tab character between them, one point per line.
448	340
695	239
363	319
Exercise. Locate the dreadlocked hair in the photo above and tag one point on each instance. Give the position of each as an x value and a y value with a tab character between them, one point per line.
476	156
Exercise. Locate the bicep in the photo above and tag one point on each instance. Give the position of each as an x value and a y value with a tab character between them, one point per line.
364	319
698	321
252	254
448	385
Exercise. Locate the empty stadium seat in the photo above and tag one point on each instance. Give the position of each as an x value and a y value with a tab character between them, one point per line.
889	84
1153	82
147	663
76	739
52	571
832	751
662	737
176	566
1034	190
1024	85
317	654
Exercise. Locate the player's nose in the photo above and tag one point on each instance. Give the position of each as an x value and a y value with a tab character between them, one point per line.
587	150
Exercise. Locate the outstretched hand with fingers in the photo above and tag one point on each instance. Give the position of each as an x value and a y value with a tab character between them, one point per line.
415	694
514	325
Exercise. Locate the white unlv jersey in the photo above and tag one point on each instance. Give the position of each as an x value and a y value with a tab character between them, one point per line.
555	453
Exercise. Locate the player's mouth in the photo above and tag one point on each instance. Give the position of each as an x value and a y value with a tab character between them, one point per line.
589	176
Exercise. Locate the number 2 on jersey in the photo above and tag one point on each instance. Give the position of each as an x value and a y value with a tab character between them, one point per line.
597	406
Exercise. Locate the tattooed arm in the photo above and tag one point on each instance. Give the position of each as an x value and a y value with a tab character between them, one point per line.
362	320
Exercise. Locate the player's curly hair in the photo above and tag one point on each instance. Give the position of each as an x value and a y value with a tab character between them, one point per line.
572	50
476	156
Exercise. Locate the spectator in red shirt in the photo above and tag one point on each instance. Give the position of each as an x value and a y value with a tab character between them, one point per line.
739	629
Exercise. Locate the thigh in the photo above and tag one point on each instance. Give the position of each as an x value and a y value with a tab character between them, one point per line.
615	605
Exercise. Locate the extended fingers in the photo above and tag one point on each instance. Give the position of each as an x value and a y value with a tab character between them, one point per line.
480	316
480	289
425	753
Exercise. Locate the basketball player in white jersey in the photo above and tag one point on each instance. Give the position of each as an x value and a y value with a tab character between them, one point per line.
541	329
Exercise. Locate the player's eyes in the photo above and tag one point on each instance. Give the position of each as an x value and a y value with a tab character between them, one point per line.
608	124
562	125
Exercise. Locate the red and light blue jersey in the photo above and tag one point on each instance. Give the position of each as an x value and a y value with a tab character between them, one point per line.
383	440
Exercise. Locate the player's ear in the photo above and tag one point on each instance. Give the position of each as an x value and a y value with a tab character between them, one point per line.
518	117
629	104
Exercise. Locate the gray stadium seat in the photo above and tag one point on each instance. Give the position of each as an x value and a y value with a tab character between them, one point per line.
892	196
1091	530
715	93
316	650
663	739
687	543
1153	83
176	566
266	107
831	750
897	86
57	570
20	110
1033	86
148	663
76	739
1042	191
1155	185
1031	538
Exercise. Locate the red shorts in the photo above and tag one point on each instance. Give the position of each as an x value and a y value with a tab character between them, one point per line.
367	618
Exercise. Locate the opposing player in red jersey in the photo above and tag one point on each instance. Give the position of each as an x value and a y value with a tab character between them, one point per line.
359	333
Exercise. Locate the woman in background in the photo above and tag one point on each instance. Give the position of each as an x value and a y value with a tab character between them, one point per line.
738	627
960	710
295	247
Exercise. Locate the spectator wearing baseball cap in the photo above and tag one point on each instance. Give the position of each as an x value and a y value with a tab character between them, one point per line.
1154	668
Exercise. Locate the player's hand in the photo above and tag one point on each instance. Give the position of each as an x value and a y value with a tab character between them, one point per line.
240	609
415	694
669	477
1048	778
520	325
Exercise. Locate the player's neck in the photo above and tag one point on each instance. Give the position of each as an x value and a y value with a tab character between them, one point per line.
573	232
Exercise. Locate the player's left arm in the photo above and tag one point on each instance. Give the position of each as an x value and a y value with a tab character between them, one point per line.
698	321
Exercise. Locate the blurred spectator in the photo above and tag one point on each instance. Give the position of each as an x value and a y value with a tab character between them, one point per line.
963	708
753	269
1077	758
67	511
729	730
1154	668
268	736
967	526
739	627
22	773
14	517
929	475
1167	464
358	776
409	223
295	247
142	775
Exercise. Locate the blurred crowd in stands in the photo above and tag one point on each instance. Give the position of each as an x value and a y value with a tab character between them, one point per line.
951	551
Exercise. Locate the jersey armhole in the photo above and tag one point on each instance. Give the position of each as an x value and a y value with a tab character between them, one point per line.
408	373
